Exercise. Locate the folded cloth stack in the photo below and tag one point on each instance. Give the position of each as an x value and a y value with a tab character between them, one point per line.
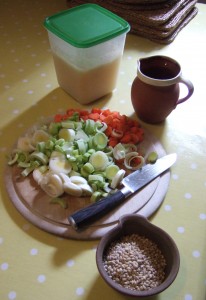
156	20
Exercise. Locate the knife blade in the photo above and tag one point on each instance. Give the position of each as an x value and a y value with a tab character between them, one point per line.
132	183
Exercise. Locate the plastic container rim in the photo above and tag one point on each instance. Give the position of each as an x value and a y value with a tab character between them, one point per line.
125	27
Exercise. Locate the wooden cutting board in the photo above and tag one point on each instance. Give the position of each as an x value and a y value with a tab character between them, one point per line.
35	205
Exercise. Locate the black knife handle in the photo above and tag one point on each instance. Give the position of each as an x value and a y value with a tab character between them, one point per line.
93	212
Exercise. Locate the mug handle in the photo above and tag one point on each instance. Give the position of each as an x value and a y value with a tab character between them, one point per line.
190	88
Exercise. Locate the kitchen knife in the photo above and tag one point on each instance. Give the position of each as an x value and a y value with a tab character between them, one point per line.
132	183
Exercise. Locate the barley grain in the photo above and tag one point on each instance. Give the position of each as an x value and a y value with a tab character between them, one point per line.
135	262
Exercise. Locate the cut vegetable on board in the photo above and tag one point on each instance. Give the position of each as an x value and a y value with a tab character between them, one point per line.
81	153
50	213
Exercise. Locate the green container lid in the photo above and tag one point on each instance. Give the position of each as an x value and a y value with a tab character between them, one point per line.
86	25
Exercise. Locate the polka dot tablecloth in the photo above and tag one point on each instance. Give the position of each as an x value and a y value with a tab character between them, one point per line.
37	265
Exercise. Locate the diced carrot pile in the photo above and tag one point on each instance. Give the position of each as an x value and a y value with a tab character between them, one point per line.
130	130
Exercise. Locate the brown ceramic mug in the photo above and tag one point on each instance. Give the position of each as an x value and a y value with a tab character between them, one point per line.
155	91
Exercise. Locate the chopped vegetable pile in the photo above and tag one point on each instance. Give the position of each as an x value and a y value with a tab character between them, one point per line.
80	153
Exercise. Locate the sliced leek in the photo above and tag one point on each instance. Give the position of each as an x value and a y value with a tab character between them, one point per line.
152	157
119	151
72	189
52	185
62	202
58	163
13	159
117	178
99	160
40	136
38	175
73	157
111	171
40	156
133	161
67	134
25	144
100	140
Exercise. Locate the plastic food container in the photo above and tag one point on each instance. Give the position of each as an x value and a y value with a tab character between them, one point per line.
87	44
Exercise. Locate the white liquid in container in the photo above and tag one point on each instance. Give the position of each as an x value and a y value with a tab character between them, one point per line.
86	85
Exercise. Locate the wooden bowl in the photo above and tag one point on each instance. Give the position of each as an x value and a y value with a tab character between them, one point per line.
139	225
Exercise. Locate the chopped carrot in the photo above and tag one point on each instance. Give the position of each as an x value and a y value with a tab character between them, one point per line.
94	116
134	129
57	118
116	122
102	117
126	138
108	131
116	114
109	119
84	118
106	112
134	138
130	129
83	113
135	161
70	112
120	161
96	110
113	142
